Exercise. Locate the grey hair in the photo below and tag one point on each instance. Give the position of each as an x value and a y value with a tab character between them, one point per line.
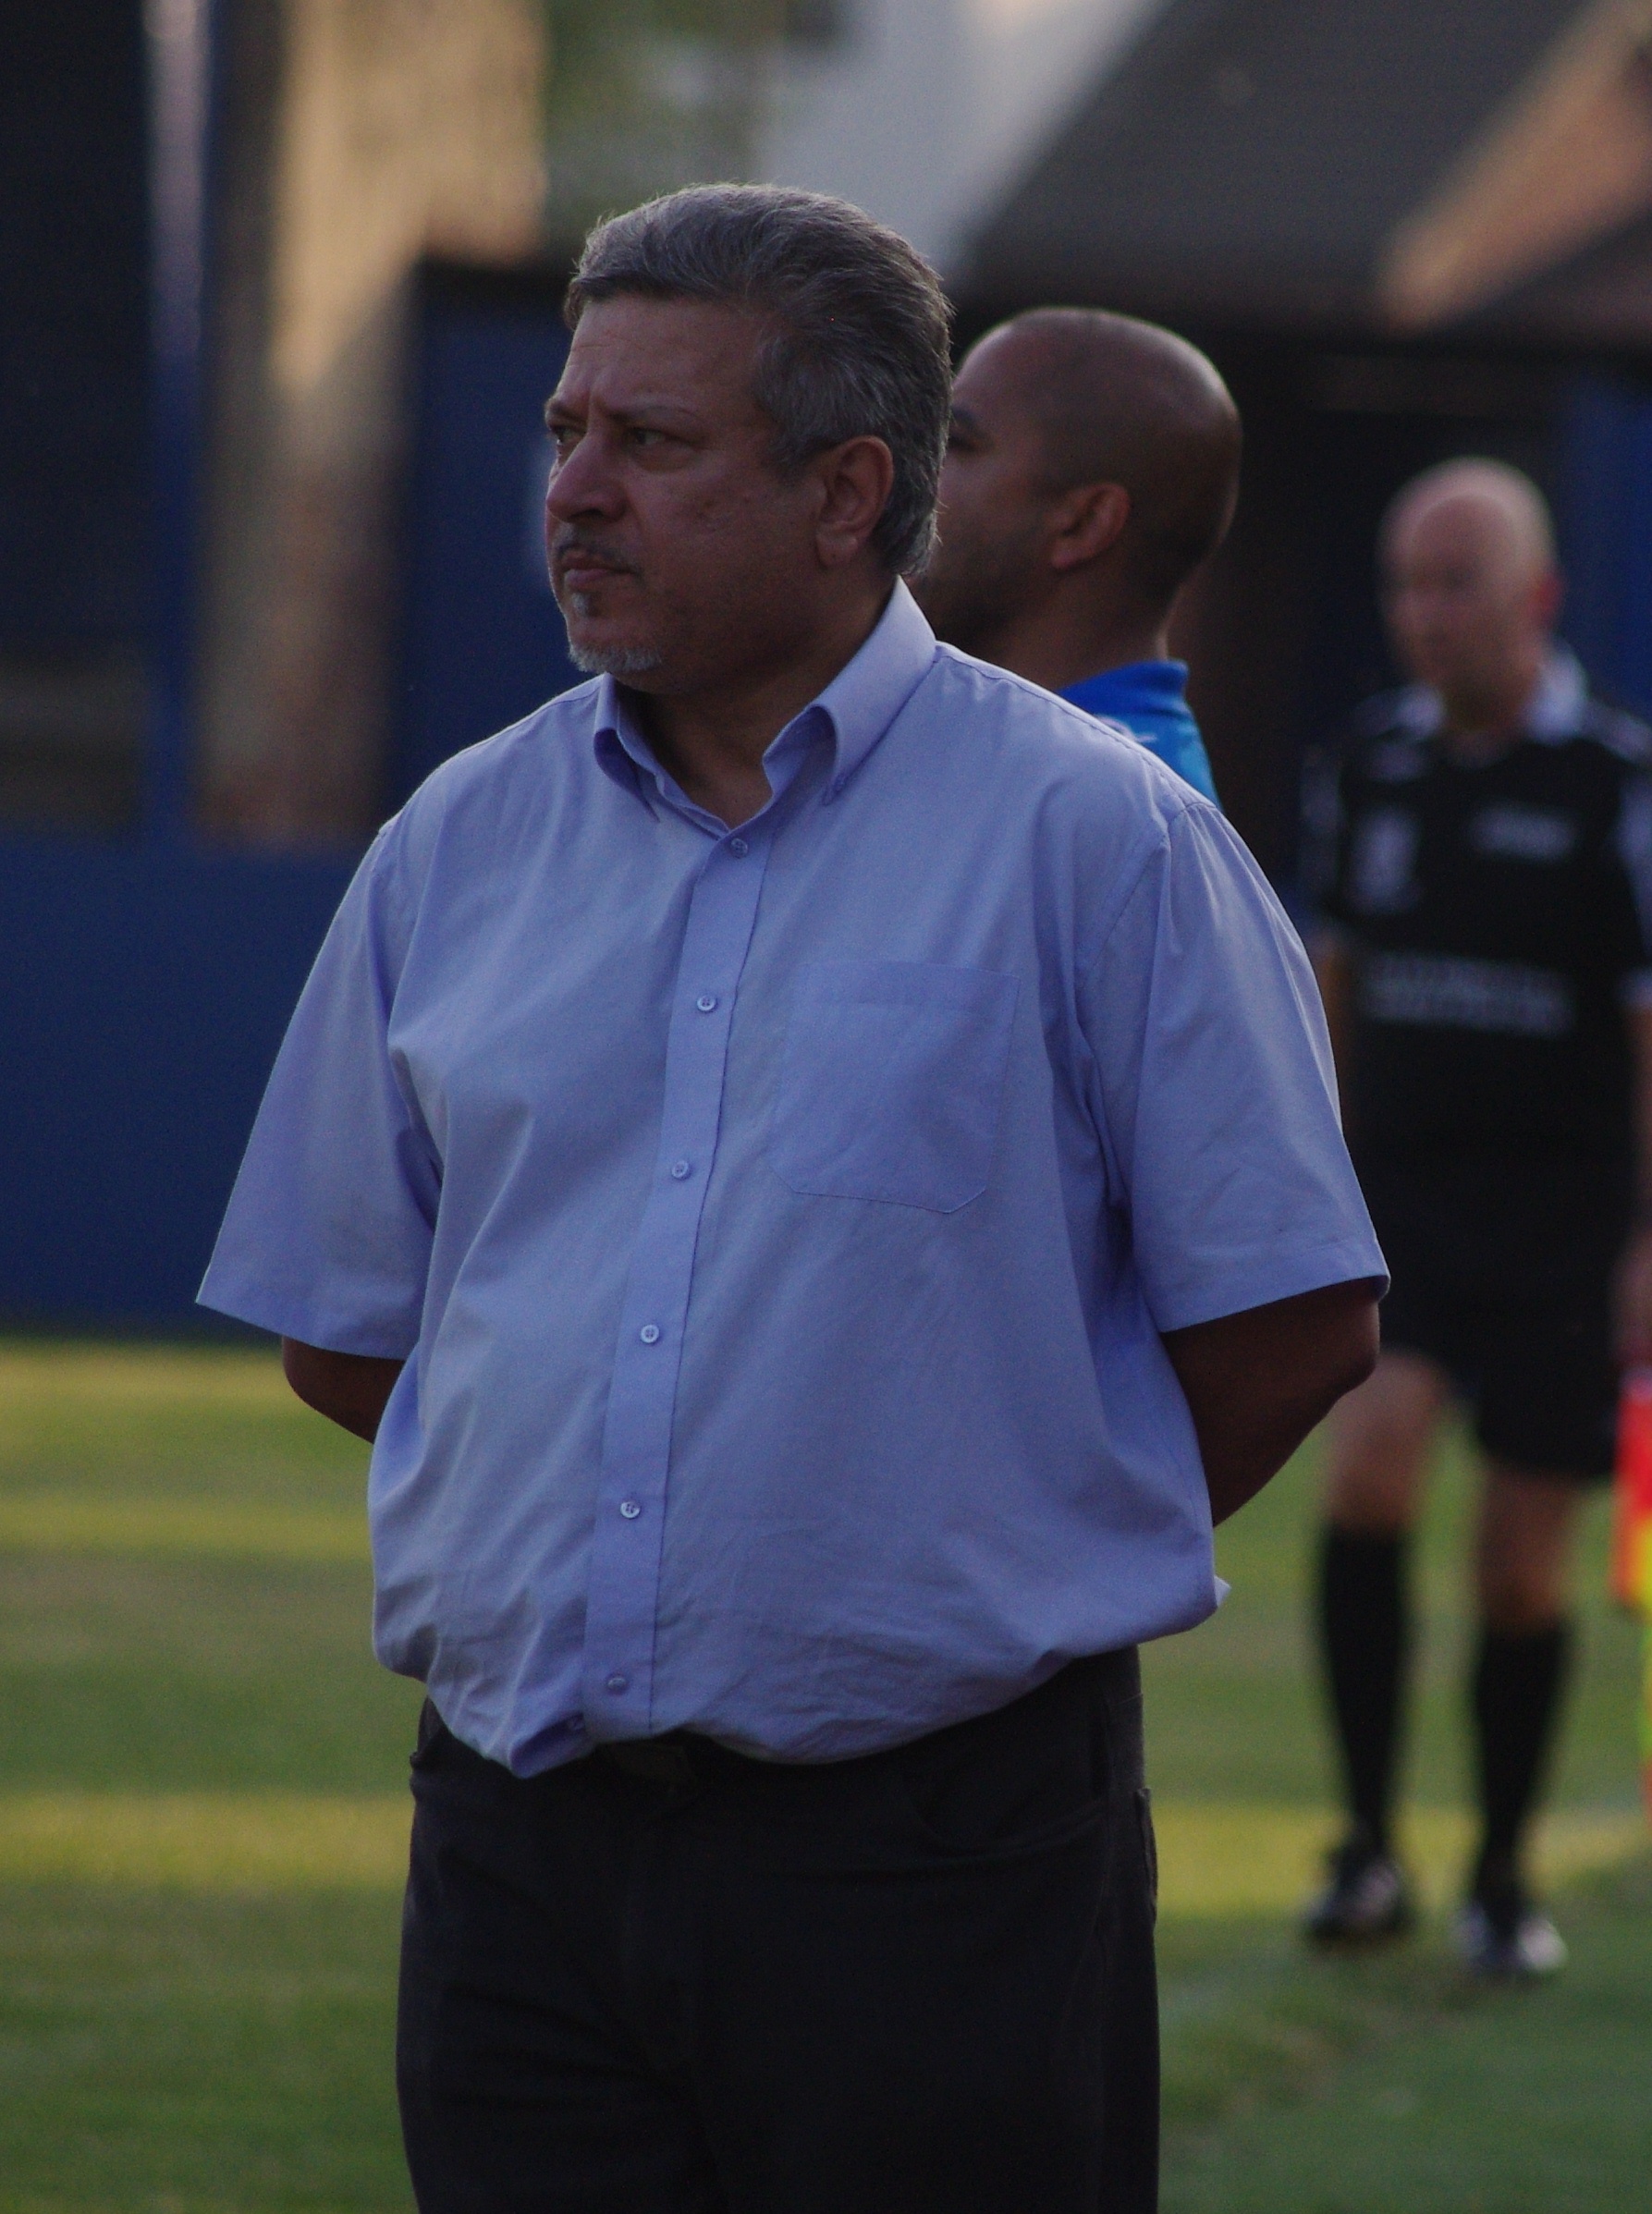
859	343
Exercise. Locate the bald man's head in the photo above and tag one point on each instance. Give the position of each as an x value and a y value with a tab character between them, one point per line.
1470	585
1092	455
1498	505
1123	402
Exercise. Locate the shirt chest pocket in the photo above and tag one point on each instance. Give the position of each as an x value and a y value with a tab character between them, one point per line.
892	1081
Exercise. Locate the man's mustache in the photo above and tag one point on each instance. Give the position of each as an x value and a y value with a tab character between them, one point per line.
570	539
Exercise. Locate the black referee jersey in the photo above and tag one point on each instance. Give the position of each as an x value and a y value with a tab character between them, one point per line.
1497	917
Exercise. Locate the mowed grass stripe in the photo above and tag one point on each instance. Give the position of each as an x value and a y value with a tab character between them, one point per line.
38	1379
193	1529
1215	1861
1221	1859
206	1841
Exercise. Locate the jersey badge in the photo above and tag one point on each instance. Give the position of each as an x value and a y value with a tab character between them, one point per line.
1381	865
1511	832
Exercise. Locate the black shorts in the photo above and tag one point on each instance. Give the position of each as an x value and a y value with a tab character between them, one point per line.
1502	1272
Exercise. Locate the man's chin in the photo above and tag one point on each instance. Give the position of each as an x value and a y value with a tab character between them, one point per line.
592	658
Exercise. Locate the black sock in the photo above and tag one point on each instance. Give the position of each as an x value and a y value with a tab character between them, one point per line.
1517	1680
1365	1636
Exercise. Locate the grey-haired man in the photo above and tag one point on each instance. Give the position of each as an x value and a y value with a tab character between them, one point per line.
815	1163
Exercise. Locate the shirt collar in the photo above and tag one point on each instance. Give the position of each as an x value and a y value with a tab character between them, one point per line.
1553	712
856	710
1141	685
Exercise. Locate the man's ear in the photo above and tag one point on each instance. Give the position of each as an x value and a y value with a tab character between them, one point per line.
855	481
1084	522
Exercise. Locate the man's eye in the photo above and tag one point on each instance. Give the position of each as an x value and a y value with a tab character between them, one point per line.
563	435
641	435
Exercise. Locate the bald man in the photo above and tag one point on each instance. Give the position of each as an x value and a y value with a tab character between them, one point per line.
1093	464
1483	850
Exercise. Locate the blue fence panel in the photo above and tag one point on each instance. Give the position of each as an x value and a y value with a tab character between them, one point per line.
484	643
145	983
1606	534
145	988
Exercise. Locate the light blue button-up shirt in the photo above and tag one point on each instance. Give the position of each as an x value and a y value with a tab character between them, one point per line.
779	1223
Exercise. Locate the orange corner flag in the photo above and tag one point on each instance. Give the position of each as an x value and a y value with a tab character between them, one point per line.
1632	1532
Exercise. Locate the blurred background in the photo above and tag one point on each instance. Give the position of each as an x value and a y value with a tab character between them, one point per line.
280	287
279	304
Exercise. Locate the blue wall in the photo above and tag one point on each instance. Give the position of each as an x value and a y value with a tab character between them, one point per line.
145	982
482	641
1606	534
143	989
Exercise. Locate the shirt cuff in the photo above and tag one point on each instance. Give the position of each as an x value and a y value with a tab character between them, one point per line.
310	1321
1259	1283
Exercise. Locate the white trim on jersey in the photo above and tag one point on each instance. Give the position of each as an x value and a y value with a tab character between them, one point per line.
1555	711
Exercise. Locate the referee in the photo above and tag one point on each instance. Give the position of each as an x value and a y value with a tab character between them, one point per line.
1484	853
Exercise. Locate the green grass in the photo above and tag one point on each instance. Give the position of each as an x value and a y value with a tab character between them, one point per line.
1394	2087
202	1822
203	1814
1297	2086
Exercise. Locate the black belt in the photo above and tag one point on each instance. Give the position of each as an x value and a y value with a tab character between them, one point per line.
679	1756
685	1757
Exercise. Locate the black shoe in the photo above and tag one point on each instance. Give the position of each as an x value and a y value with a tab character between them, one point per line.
1503	1938
1367	1902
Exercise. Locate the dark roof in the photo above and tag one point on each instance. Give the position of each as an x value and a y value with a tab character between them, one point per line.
1250	158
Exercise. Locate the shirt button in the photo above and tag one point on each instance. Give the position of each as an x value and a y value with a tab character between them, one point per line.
618	1683
650	1333
737	846
681	1169
705	1002
631	1509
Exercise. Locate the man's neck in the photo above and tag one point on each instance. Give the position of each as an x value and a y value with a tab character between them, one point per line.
1481	723
712	741
1054	648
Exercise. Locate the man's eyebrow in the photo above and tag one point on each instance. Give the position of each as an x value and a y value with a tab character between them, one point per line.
673	409
646	405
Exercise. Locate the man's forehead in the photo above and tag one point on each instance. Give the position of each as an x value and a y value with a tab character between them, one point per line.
996	387
1003	359
635	351
1458	525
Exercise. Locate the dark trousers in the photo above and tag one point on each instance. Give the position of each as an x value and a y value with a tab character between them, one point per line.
670	1980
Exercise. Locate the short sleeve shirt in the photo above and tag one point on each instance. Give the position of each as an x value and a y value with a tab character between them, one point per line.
778	1224
1497	917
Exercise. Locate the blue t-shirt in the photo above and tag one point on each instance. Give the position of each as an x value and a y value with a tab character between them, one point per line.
1150	698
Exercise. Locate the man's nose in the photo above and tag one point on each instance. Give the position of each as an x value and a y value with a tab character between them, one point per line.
584	483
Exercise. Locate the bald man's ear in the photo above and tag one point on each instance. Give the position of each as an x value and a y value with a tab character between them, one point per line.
1084	522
